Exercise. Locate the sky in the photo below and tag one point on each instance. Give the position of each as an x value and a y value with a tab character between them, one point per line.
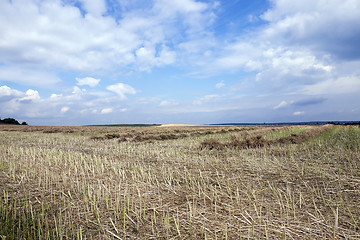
80	62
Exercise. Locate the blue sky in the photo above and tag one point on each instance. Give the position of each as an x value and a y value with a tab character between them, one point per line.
77	62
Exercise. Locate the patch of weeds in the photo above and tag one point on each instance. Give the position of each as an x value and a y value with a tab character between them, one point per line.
284	133
211	144
347	137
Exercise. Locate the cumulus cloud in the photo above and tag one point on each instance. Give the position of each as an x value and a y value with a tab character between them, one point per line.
121	89
272	64
146	57
57	34
8	93
13	101
302	44
298	113
274	68
78	91
64	109
44	33
29	104
30	95
107	110
92	82
237	55
328	26
55	96
300	50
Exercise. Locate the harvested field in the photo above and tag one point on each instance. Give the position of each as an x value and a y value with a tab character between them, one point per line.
180	182
259	141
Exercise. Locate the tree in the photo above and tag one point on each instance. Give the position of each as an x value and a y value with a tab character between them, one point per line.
9	121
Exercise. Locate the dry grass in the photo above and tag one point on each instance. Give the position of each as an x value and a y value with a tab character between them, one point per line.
167	183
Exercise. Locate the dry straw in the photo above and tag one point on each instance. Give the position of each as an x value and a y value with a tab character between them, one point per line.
193	182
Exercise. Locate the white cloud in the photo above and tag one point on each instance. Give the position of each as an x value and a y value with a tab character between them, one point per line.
6	91
168	103
206	99
220	85
192	11
64	109
30	95
106	110
298	113
282	104
121	89
182	6
151	100
274	67
237	55
55	96
303	48
50	33
29	104
26	76
78	91
306	43
341	85
146	57
14	101
95	7
286	60
56	34
92	82
166	56
252	65
329	26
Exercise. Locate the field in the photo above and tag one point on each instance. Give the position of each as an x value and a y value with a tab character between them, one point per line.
180	182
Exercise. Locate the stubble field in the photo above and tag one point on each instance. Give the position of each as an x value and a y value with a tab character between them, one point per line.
180	182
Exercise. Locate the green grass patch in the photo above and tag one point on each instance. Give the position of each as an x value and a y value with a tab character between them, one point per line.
345	137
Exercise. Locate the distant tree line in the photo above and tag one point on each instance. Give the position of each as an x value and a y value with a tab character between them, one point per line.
11	121
345	123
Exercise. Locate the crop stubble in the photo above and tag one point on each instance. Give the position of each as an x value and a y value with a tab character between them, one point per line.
258	182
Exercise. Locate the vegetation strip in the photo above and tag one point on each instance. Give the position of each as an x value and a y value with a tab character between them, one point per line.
259	141
162	135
